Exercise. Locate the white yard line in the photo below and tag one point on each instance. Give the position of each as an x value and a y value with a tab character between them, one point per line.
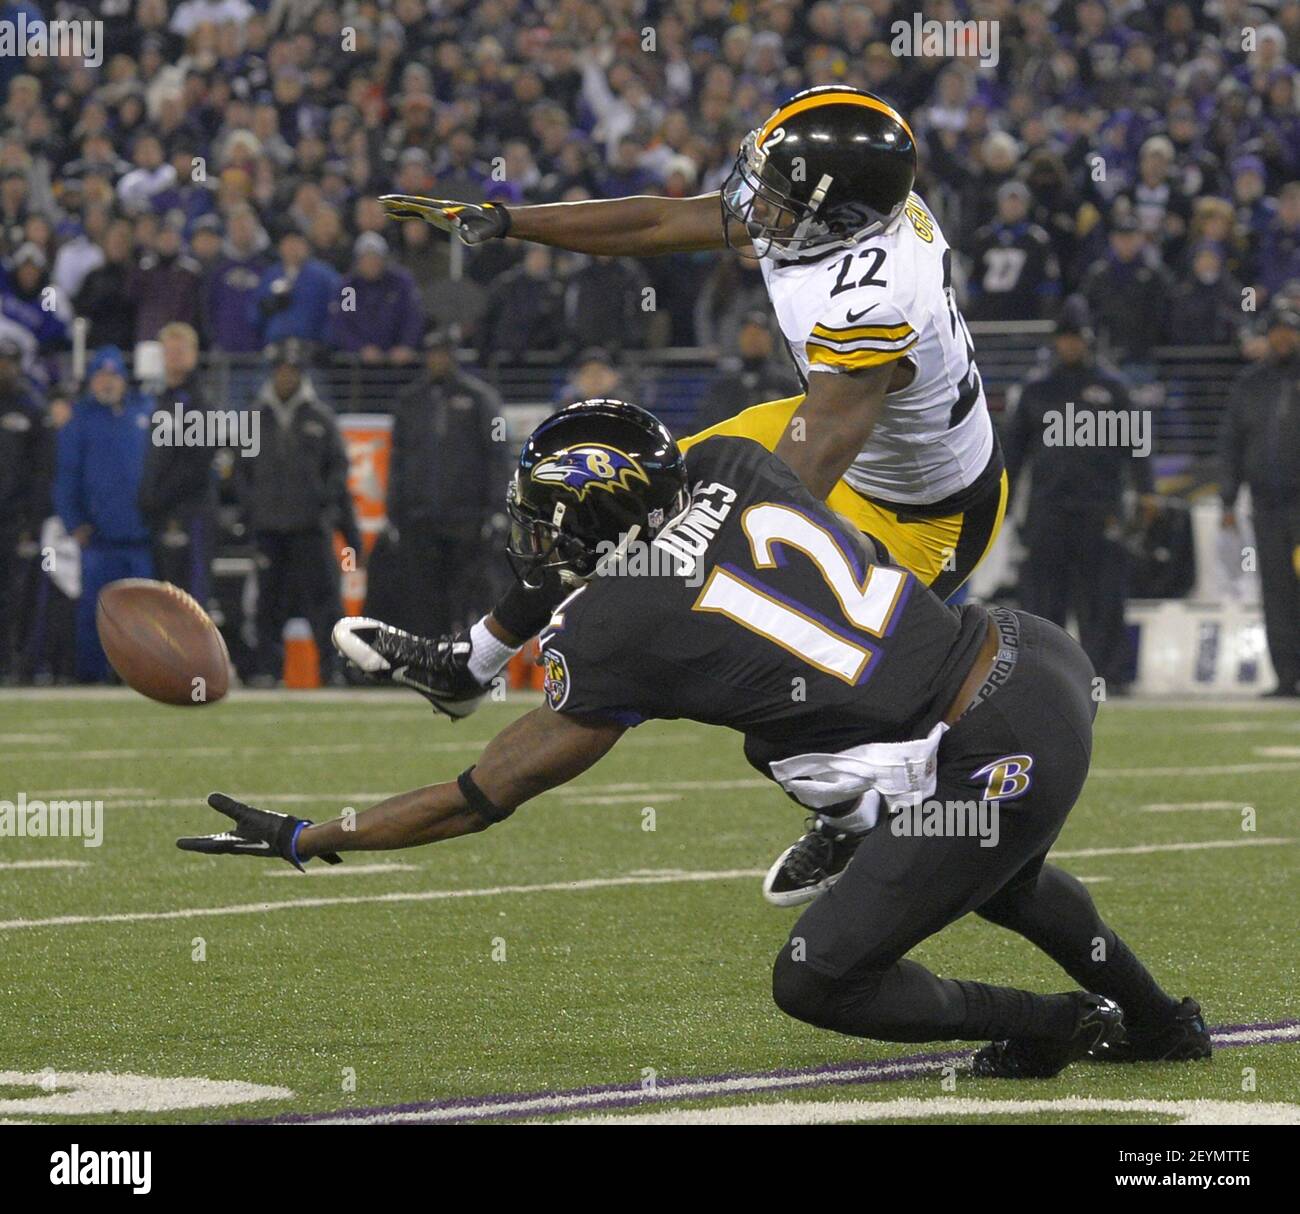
347	870
670	877
1217	769
432	895
1238	727
165	751
354	799
358	800
335	697
1170	807
9	865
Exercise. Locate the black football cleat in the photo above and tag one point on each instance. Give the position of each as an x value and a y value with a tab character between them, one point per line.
437	668
812	865
1100	1022
1184	1038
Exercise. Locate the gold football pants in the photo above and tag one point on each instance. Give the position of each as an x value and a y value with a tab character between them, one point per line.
943	552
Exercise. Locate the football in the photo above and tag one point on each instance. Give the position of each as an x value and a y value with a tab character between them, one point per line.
162	642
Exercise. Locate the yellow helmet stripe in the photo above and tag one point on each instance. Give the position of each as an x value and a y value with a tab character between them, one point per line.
808	103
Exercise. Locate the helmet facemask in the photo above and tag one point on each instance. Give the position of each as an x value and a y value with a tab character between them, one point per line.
761	198
592	480
538	544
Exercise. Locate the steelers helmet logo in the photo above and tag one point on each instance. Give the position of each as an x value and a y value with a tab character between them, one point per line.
589	466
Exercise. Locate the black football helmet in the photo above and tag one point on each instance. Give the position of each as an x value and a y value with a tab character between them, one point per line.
829	167
590	480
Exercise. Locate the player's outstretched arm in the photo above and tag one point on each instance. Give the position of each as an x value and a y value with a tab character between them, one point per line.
541	750
618	227
833	424
624	227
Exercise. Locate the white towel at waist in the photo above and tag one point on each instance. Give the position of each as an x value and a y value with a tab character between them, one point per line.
903	773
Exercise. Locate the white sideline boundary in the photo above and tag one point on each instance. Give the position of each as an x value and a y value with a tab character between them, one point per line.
823	1112
530	1106
672	877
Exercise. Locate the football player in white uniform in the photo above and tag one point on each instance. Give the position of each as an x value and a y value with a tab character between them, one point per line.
893	428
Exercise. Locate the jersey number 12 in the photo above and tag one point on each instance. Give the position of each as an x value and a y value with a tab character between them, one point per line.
866	604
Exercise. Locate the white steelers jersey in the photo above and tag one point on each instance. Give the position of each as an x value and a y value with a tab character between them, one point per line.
888	297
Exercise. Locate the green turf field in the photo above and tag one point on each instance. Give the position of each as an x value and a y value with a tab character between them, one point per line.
571	947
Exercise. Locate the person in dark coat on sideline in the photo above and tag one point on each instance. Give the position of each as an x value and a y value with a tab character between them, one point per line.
178	492
444	487
26	464
1260	447
294	495
1076	433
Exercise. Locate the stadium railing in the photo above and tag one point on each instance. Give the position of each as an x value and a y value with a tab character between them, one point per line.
1186	386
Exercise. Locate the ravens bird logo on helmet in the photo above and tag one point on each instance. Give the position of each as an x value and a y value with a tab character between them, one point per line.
590	466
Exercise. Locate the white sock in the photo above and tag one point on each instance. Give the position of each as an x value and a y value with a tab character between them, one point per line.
861	818
487	655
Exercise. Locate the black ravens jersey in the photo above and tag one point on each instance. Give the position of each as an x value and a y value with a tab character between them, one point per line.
762	610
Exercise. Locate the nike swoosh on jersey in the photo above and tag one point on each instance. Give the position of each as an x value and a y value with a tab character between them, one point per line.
850	317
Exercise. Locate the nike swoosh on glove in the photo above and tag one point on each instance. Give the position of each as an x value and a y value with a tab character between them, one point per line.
472	222
258	832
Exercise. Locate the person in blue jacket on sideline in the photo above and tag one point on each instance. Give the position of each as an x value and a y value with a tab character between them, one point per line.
294	296
101	455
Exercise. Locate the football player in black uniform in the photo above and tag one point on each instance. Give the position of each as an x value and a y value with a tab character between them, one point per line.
715	587
892	429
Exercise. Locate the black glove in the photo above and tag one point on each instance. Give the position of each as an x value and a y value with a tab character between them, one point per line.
258	832
472	222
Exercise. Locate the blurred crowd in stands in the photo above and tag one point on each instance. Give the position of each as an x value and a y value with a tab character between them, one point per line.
222	169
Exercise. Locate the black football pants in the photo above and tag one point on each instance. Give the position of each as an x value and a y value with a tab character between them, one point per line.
297	576
1277	535
844	966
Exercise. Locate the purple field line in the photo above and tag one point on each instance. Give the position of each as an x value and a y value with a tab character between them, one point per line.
826	1074
622	1095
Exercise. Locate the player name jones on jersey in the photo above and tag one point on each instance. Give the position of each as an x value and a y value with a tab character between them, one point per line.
689	538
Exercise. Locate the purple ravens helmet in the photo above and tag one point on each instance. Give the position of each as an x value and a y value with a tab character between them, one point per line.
597	475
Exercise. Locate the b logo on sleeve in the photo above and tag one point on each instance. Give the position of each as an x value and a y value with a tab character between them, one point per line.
556	681
1005	778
